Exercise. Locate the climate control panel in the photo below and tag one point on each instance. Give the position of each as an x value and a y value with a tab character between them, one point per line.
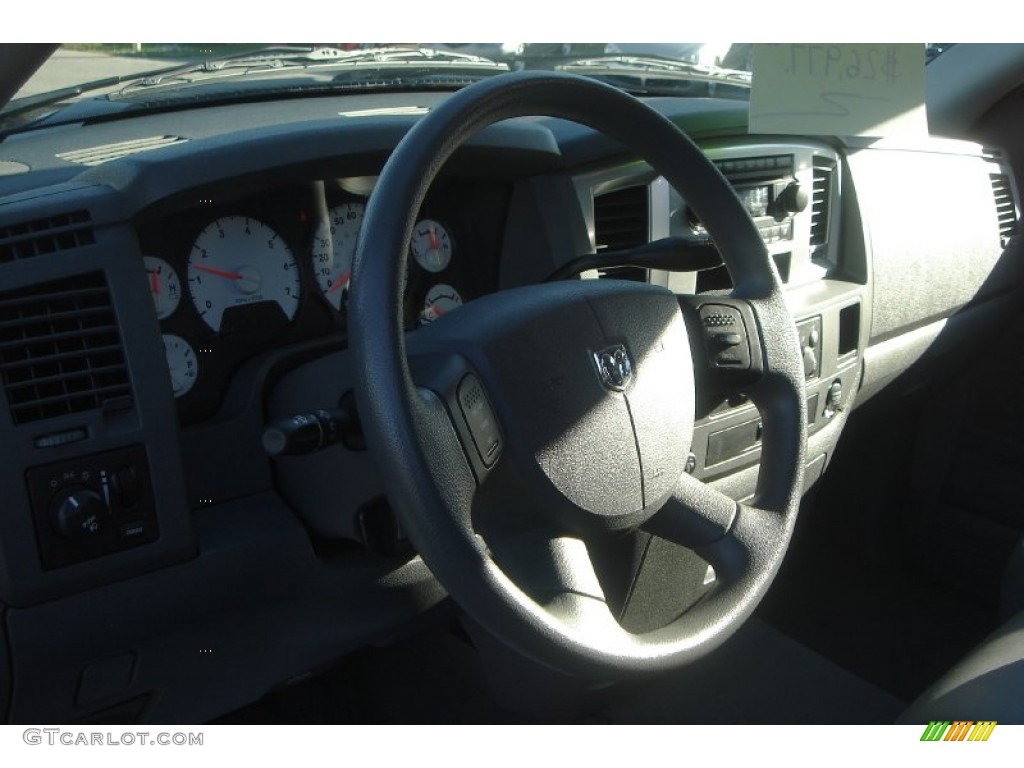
92	506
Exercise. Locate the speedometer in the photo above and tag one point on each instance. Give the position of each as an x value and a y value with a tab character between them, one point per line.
334	245
236	261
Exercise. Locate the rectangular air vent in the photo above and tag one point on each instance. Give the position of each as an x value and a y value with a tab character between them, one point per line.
61	350
622	220
62	232
105	153
1006	210
821	193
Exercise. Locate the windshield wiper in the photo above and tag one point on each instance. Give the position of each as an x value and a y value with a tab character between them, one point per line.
278	58
39	100
655	67
261	59
330	70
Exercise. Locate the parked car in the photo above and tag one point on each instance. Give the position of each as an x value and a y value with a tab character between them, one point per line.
394	385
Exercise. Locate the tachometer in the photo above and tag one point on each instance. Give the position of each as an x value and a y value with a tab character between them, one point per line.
238	260
334	245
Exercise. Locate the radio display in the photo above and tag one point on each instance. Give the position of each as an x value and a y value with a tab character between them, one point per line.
755	199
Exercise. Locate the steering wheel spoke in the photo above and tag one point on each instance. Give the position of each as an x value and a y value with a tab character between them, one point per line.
695	515
752	549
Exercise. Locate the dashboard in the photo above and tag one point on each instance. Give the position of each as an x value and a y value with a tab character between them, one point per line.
161	306
234	276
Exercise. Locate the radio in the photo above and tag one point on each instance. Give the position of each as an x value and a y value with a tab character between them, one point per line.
768	191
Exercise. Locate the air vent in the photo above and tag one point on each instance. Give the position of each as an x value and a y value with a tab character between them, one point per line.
622	221
60	350
821	193
50	235
107	152
1006	211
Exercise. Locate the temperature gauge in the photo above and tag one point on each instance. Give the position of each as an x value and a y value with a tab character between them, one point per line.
441	299
164	285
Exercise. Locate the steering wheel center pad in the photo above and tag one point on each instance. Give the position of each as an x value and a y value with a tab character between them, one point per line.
592	384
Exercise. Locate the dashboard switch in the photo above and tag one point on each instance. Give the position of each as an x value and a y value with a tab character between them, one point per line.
834	399
483	426
308	432
82	507
126	487
725	337
809	332
78	513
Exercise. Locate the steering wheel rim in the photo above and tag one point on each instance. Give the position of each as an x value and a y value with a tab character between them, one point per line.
424	457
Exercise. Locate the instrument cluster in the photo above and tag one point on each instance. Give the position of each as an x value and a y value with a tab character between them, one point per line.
232	279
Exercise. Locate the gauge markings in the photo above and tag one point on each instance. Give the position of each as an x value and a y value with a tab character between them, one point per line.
164	285
250	263
182	364
334	246
440	300
431	245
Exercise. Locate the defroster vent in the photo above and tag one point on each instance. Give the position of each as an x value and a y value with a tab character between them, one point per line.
61	350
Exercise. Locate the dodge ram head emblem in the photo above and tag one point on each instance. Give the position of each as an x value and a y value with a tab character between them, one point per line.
614	367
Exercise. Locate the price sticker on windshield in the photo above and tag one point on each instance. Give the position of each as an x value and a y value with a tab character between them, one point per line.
847	89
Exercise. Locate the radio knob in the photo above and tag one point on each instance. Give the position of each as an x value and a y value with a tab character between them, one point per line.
78	513
793	199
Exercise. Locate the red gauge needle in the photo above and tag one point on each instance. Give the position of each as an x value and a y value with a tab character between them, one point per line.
340	281
154	282
220	272
433	238
436	310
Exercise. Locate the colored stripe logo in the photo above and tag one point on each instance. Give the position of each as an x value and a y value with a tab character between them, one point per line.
958	730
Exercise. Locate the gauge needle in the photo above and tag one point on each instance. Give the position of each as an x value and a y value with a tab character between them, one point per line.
340	281
220	272
433	238
154	282
436	310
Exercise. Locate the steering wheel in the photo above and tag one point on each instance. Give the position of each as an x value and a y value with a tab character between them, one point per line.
531	425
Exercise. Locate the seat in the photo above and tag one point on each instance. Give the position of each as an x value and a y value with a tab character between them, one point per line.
985	685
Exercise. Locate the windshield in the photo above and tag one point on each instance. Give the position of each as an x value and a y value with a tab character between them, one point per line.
81	82
101	79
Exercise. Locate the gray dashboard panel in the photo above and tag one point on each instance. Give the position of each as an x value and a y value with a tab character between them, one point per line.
933	234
